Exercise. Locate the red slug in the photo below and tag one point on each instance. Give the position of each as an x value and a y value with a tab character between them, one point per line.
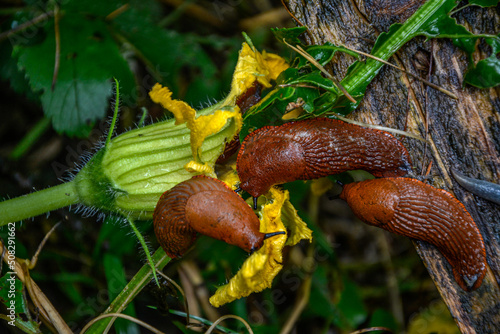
414	209
207	206
315	148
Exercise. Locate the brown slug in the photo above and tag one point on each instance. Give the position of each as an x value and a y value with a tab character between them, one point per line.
414	209
207	206
315	148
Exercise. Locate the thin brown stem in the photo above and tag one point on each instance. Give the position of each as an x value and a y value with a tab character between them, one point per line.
21	27
124	316
34	259
313	61
58	47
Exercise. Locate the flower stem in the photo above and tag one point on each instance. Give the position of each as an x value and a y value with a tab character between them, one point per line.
39	202
127	295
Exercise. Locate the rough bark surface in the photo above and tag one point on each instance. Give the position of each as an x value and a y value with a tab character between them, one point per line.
463	134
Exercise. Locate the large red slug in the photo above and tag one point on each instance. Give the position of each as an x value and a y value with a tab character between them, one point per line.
315	148
207	206
414	209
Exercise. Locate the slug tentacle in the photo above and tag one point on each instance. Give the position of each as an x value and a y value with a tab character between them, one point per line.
411	208
484	189
207	206
316	148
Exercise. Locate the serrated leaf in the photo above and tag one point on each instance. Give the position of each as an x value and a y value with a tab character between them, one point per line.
11	294
89	58
9	72
290	35
168	53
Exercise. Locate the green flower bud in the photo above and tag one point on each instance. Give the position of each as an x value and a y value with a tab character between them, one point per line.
134	169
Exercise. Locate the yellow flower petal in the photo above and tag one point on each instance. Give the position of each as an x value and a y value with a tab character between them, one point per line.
259	270
252	66
196	167
296	227
206	125
181	110
202	126
229	175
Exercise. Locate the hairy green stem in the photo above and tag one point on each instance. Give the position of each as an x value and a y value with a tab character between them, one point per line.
144	246
39	202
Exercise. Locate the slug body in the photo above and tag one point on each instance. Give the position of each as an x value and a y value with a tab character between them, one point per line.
207	206
411	208
315	148
484	189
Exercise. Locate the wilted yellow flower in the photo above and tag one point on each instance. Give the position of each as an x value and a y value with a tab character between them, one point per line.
201	126
259	270
252	66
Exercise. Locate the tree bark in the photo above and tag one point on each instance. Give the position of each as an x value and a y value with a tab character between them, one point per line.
463	134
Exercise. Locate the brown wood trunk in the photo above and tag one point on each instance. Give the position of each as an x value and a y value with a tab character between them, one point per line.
464	134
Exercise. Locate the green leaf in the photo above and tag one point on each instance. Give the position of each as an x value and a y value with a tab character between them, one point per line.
352	305
324	53
9	72
290	35
11	295
169	55
89	58
486	73
484	3
115	277
136	284
382	318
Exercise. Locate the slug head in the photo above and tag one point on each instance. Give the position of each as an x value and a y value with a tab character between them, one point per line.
225	216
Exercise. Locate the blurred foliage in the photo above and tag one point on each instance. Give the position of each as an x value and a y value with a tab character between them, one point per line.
101	40
85	263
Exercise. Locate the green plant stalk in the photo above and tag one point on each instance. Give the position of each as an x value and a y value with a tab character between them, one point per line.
145	247
37	203
363	74
136	284
33	135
